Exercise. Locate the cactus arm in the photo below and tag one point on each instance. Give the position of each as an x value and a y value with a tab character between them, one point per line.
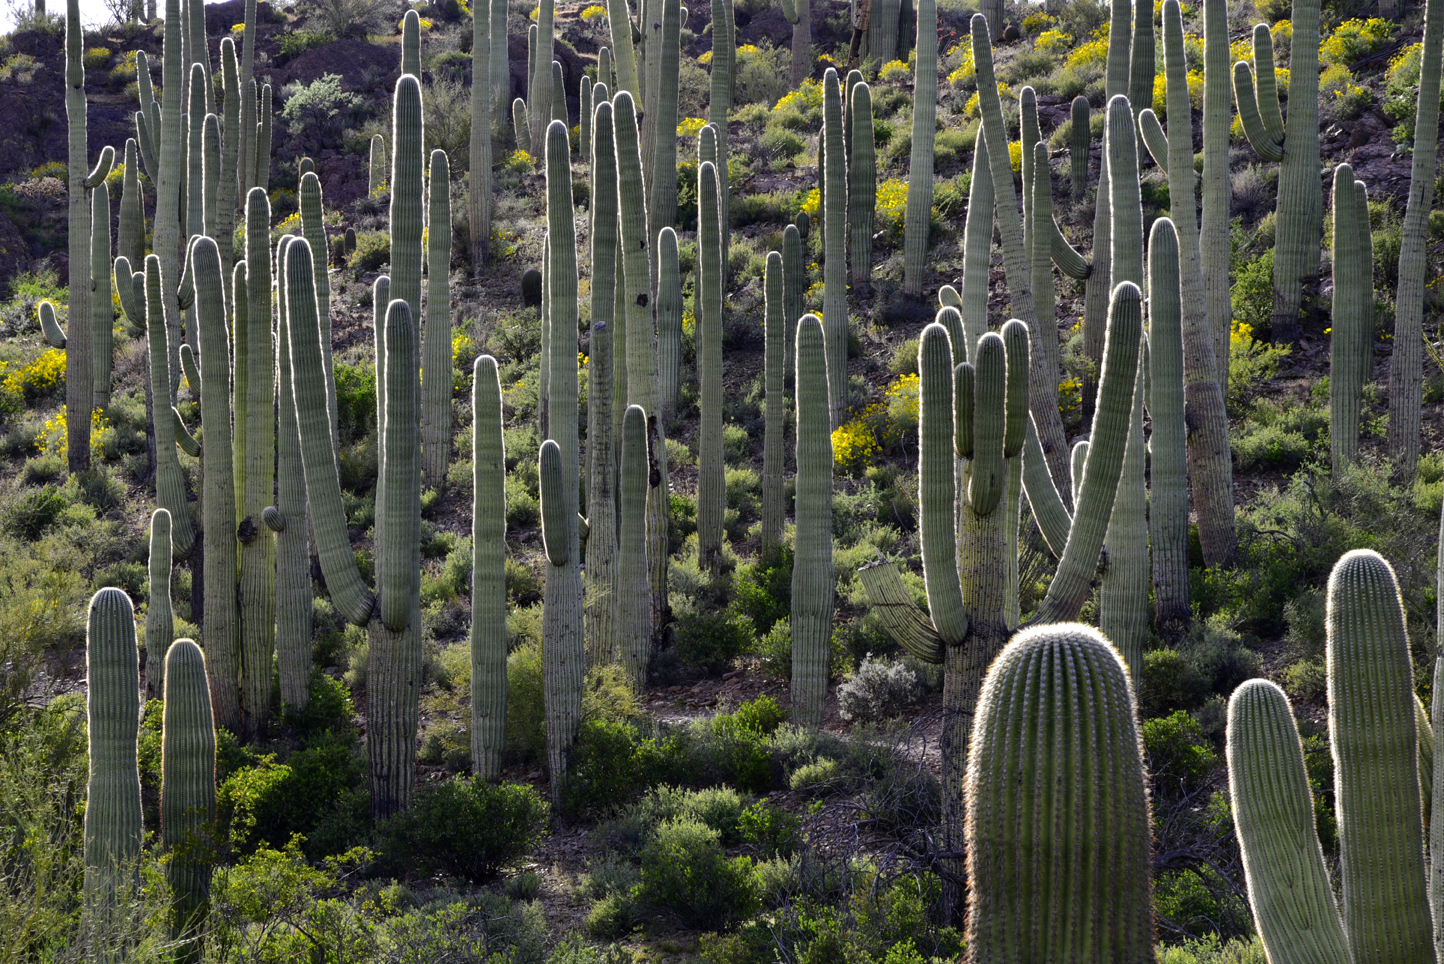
398	515
789	11
794	283
483	100
1168	504
1375	747
1213	237
229	155
952	321
102	169
559	93
125	291
1040	238
195	212
407	214
1054	520
1079	147
890	598
977	247
669	320
964	376
1101	472
1068	259
773	504
918	215
411	44
834	264
293	557
188	791
633	600
1265	143
624	56
602	557
519	126
662	203
313	229
211	173
264	107
323	486
1029	134
113	810
79	356
1141	58
145	139
436	363
188	442
1151	132
985	484
584	116
159	623
130	242
192	369
1426	758
1016	348
1436	793
813	578
168	175
50	326
948	297
1057	839
937	485
488	587
378	168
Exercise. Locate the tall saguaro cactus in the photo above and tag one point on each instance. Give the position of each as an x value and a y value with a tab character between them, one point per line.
662	157
488	572
291	512
1296	146
834	234
159	620
711	485
483	100
436	352
918	215
539	100
601	451
102	311
813	577
862	184
79	375
188	793
1168	508
407	213
773	508
1406	374
112	810
1349	340
669	321
632	599
1058	840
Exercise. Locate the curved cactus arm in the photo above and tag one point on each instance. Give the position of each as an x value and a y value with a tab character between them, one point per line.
183	437
191	368
1266	143
918	216
313	229
789	11
519	126
1054	519
274	519
1273	808
130	306
937	485
554	516
102	314
323	483
977	246
951	320
964	376
50	326
145	140
1266	82
188	791
102	168
1101	472
1426	758
1375	748
948	297
889	597
112	812
1080	456
1069	259
1057	839
1151	132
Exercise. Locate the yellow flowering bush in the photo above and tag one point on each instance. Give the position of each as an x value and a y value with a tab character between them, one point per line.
705	59
52	438
961	75
1184	8
518	162
42	378
1053	42
1282	34
1070	396
690	127
812	203
894	71
1037	22
594	12
1094	53
1015	156
892	205
1349	98
1160	96
1238	50
901	400
746	50
806	97
854	445
463	350
884	424
962	54
970	109
1354	39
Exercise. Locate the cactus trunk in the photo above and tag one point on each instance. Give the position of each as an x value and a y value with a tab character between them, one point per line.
188	794
813	578
774	508
1346	389
633	609
918	216
293	559
436	352
711	484
488	568
1167	446
669	322
834	262
602	558
79	357
112	810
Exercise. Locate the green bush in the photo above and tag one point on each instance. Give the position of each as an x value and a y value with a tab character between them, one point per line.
318	792
770	830
708	643
687	876
763	588
614	764
34	512
318	113
299	41
465	827
373	249
356	397
606	695
1178	756
733	747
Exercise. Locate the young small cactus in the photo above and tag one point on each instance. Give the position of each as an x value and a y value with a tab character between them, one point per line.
188	793
379	175
488	572
1058	841
813	577
112	811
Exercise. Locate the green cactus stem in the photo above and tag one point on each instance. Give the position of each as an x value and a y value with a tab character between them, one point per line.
633	600
169	482
500	62
112	810
1040	211
601	452
188	793
230	123
293	558
262	169
559	93
313	229
102	311
167	176
813	577
411	44
519	126
436	352
1079	148
977	248
584	127
604	70
834	262
539	100
407	212
211	161
488	569
484	98
1142	58
623	52
379	170
794	285
130	239
1213	237
1346	389
1058	842
50	325
159	620
773	505
937	482
1167	447
862	173
79	360
195	214
662	156
920	165
711	487
719	105
669	321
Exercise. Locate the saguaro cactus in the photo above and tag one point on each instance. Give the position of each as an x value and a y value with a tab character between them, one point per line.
519	126
918	215
773	508
669	321
159	621
1058	841
794	285
601	450
719	105
313	228
1350	343
293	557
407	213
130	242
1406	374
662	160
188	793
624	56
834	263
1168	506
411	44
488	572
633	601
977	249
378	165
79	376
711	487
539	100
483	99
1080	147
813	577
102	311
436	352
112	810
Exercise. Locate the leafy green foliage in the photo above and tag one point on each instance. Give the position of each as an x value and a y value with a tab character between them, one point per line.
464	827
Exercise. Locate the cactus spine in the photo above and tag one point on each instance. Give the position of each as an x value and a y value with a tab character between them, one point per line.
1406	373
1346	352
112	811
601	453
293	558
633	612
918	216
436	353
669	321
773	506
378	165
1168	508
711	486
188	792
1058	842
1080	146
159	622
488	569
813	577
562	630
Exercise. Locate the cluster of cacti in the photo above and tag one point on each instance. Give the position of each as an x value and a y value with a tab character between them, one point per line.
1385	911
1057	840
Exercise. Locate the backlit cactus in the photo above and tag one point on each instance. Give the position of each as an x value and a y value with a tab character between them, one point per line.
862	187
1167	446
794	285
1079	147
539	96
411	44
834	260
293	558
159	621
1349	341
601	418
112	810
633	601
102	311
519	126
669	321
130	234
313	229
436	351
79	361
488	572
711	485
188	793
662	156
977	248
378	167
407	212
719	105
1058	841
169	482
773	507
918	215
484	97
813	576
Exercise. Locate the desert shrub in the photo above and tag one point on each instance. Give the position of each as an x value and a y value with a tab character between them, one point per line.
615	762
373	249
1212	660
1251	363
446	106
29	516
1307	680
1354	39
763	588
317	792
1178	755
605	694
880	688
733	747
319	112
708	643
1210	950
762	74
687	876
770	830
465	827
297	42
